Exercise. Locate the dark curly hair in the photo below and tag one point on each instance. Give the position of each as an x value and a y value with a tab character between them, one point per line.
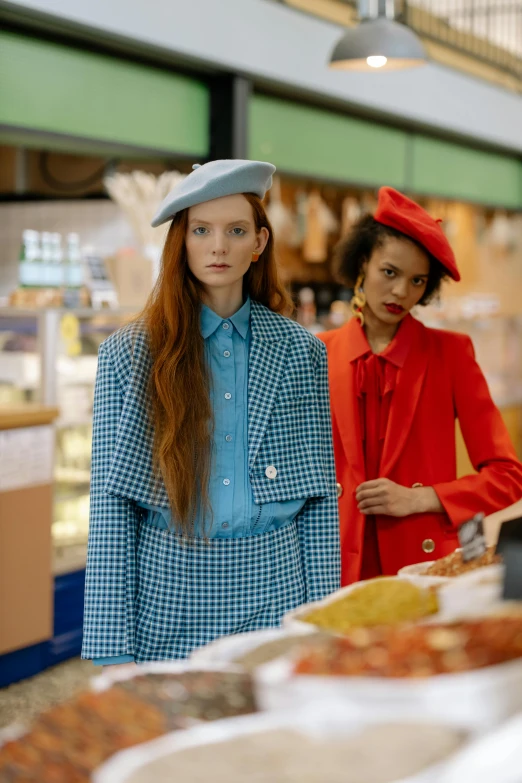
367	235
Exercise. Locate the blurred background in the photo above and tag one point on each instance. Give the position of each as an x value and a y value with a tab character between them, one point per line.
105	105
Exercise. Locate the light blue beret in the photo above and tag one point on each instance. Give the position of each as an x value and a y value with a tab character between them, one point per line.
214	180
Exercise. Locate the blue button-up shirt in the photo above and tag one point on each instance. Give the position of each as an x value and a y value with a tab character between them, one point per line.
227	346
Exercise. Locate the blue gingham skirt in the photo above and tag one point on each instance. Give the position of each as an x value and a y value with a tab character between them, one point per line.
190	593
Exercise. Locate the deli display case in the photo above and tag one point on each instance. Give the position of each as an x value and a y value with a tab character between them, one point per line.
49	357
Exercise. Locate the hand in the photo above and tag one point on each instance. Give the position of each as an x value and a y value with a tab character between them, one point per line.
383	496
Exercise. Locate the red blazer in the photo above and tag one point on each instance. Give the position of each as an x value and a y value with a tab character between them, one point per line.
439	382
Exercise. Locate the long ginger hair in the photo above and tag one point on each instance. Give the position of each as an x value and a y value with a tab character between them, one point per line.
180	407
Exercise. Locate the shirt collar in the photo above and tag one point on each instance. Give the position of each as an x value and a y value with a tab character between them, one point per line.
396	352
210	321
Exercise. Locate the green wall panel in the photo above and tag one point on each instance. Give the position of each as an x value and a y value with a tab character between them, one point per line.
314	142
455	171
318	143
56	89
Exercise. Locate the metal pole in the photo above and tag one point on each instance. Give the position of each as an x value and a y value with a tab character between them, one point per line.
389	9
21	174
229	101
368	9
372	9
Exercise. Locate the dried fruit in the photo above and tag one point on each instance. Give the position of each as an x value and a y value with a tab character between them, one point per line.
454	565
416	651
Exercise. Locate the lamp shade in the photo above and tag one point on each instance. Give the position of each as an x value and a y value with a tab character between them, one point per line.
378	44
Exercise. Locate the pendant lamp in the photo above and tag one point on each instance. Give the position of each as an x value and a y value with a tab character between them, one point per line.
378	43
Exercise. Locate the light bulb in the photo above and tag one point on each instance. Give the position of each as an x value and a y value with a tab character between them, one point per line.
376	61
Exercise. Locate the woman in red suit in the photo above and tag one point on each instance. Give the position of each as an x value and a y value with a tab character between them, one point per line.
396	389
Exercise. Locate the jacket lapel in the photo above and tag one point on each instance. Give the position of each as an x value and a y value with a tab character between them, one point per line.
267	361
406	396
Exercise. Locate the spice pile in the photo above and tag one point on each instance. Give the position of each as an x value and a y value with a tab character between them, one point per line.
454	565
415	651
67	743
286	756
198	695
376	602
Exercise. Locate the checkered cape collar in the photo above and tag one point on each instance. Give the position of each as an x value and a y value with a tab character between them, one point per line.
131	474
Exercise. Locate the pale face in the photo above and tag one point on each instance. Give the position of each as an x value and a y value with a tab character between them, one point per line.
221	241
395	279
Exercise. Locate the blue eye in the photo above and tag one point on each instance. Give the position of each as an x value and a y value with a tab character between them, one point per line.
238	232
200	231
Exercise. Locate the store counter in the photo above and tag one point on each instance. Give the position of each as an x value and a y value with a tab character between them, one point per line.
26	504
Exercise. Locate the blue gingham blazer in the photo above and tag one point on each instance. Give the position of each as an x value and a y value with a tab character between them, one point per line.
289	428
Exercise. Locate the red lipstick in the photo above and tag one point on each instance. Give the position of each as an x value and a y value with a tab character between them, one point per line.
394	309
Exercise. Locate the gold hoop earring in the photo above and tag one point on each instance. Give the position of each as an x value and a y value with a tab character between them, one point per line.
358	302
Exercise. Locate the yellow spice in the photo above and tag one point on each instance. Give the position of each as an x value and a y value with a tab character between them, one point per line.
377	602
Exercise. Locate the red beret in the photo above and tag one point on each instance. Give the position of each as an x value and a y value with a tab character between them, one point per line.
403	214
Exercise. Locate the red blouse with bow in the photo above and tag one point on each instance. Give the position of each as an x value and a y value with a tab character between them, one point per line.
375	379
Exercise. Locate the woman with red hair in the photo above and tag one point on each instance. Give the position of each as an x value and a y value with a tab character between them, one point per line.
213	497
396	388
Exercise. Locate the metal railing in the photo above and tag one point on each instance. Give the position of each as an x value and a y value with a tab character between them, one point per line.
489	31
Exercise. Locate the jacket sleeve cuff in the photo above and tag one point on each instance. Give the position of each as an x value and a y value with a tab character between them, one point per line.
112	660
459	504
